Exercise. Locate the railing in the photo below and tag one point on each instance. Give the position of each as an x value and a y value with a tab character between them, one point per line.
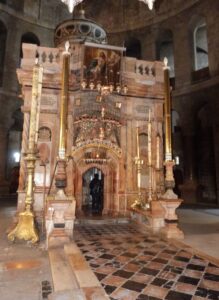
145	72
48	57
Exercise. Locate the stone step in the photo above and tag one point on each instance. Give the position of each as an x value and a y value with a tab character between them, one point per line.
102	221
85	277
72	276
63	277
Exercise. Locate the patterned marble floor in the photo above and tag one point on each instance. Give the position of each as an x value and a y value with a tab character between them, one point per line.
132	265
24	269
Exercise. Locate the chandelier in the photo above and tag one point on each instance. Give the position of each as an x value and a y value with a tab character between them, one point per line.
150	3
72	3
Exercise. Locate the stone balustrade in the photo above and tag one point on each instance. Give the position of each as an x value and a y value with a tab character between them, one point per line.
49	58
143	72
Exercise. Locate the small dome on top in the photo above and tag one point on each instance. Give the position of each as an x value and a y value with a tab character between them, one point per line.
79	29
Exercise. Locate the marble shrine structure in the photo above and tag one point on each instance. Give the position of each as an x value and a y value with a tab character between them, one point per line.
111	123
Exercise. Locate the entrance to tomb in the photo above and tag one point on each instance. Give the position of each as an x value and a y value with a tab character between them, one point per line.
93	191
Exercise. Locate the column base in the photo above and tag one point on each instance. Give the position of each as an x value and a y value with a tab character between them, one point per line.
152	219
172	231
59	221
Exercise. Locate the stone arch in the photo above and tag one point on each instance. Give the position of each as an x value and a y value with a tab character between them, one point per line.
29	38
199	42
111	171
165	48
133	47
3	39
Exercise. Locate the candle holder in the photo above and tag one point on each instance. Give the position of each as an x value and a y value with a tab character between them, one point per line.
139	203
169	200
25	228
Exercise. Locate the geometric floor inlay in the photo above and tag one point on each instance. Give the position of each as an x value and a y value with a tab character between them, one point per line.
134	266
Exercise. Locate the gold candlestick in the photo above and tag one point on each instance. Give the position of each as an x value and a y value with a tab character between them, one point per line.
150	190
169	162
61	177
64	102
158	152
167	112
25	228
138	162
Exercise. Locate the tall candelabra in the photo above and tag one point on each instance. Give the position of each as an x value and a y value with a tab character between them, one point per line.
61	178
138	162
150	182
169	162
169	200
25	228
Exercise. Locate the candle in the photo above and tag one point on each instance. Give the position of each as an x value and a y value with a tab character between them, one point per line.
64	101
149	140
102	112
158	151
34	107
39	93
137	140
167	112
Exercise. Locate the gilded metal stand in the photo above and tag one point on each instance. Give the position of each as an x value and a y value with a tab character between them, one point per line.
169	162
138	162
25	228
61	178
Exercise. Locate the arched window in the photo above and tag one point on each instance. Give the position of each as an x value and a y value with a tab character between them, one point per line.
133	48
3	38
29	38
200	42
165	49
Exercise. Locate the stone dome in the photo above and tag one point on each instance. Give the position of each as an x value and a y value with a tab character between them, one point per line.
80	29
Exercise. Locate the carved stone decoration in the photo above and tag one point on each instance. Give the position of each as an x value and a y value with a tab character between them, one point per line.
44	134
93	129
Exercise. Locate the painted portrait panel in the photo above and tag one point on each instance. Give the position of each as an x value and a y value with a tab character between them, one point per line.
102	65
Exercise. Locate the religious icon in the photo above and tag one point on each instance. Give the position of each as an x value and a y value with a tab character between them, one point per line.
102	65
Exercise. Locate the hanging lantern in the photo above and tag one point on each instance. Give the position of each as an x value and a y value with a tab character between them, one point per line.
71	4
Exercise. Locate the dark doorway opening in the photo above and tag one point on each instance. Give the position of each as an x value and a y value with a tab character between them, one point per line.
92	186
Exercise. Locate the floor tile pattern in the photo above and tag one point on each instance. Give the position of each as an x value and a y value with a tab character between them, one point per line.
132	265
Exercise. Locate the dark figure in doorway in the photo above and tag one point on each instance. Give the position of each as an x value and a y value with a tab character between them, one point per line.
96	193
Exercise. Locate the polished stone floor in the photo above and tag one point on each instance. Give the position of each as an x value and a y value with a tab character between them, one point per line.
130	264
134	265
24	269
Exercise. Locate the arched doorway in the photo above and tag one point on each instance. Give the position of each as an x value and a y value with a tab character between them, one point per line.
93	191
